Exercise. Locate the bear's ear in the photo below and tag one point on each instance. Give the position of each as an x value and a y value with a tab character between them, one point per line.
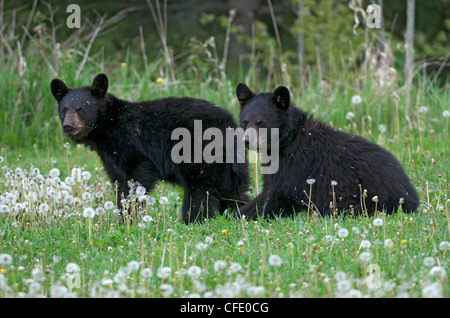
59	89
243	93
281	97
100	86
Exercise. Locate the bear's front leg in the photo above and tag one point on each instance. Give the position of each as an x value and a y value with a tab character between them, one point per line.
262	205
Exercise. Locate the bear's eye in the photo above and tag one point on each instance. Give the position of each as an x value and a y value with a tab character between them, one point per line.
259	123
245	123
81	110
64	110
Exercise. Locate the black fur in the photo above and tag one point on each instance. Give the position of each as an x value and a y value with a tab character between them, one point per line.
310	149
134	142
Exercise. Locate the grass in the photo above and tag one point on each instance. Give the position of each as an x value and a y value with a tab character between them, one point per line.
50	247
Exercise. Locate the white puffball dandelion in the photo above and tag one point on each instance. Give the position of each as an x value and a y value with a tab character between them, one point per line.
343	233
423	109
356	100
388	243
133	266
164	272
365	244
428	261
163	200
444	245
349	116
89	213
108	205
310	181
219	265
146	272
365	257
5	259
194	271
334	183
378	222
446	114
275	260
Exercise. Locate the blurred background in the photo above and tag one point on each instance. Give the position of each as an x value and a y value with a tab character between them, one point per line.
322	50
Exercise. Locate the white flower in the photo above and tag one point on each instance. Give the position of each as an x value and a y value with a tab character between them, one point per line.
423	109
365	257
255	291
344	285
194	271
340	276
147	218
219	265
89	213
146	272
378	222
133	266
365	244
388	243
164	272
108	205
166	289
140	190
43	208
240	243
382	128
54	173
72	268
444	245
375	199
349	116
151	201
333	183
4	209
433	290
58	291
209	239
163	200
310	181
275	260
5	259
201	246
356	99
343	233
446	114
234	268
437	271
428	261
37	274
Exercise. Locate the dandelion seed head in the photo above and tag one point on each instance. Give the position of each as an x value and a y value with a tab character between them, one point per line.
89	213
275	260
163	200
350	116
446	114
310	181
343	233
378	222
356	100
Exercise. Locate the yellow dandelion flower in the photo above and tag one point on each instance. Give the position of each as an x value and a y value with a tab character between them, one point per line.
403	242
290	244
123	64
224	231
159	80
2	270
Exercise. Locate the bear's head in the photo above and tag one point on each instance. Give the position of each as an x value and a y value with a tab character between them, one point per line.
80	108
263	115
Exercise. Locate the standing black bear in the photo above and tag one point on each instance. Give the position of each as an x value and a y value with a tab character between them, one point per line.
310	153
134	142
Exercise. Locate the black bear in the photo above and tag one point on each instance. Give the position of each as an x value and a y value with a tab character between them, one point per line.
134	142
318	166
